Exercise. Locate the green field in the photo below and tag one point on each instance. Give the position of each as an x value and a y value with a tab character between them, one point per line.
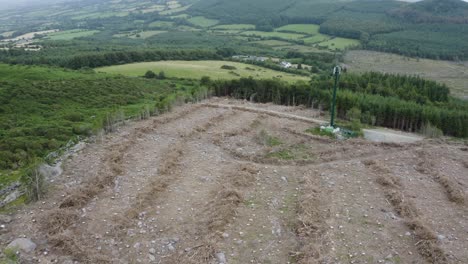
235	27
101	15
161	24
301	48
281	35
36	73
71	34
198	69
308	29
187	28
316	39
180	16
203	21
140	35
339	43
154	8
173	11
7	34
228	32
273	43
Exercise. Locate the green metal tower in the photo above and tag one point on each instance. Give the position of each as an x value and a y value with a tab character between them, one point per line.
336	74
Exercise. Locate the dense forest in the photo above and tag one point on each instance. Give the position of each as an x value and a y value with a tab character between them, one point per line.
433	11
377	107
386	25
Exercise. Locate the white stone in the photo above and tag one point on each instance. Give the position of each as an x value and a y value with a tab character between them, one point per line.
221	258
23	244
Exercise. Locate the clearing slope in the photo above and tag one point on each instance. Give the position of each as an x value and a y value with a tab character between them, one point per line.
205	184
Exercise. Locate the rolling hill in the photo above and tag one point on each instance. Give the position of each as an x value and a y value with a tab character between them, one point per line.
434	11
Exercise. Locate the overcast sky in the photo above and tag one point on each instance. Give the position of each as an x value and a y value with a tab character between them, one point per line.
8	4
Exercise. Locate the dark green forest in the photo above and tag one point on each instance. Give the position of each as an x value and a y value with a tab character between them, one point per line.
437	27
379	106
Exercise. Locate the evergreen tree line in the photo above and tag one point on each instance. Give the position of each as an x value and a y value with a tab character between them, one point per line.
100	59
376	109
408	88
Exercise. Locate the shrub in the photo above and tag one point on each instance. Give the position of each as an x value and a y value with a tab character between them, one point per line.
161	76
150	75
205	80
82	129
34	181
431	131
228	67
318	132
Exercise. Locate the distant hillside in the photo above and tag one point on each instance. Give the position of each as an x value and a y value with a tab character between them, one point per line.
434	11
430	28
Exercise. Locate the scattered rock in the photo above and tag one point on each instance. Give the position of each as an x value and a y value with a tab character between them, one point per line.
221	258
22	244
171	247
10	188
440	237
151	258
174	240
11	197
5	219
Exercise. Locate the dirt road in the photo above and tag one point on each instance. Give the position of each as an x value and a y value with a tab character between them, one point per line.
214	183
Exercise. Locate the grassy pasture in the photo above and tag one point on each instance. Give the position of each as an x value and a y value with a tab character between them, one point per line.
228	32
184	16
71	34
187	28
316	39
282	35
308	29
140	35
175	10
7	34
36	73
154	8
453	74
161	24
339	43
173	4
301	48
198	69
273	43
203	21
101	15
235	27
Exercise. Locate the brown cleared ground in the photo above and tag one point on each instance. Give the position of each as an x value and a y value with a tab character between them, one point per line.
209	182
454	74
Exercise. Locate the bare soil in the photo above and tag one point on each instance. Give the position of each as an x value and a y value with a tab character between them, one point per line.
235	182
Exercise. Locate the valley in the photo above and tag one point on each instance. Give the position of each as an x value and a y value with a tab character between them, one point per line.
220	131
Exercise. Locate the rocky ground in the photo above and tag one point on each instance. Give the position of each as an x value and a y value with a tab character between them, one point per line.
233	182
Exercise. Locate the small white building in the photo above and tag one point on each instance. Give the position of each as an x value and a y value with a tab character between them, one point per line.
285	64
